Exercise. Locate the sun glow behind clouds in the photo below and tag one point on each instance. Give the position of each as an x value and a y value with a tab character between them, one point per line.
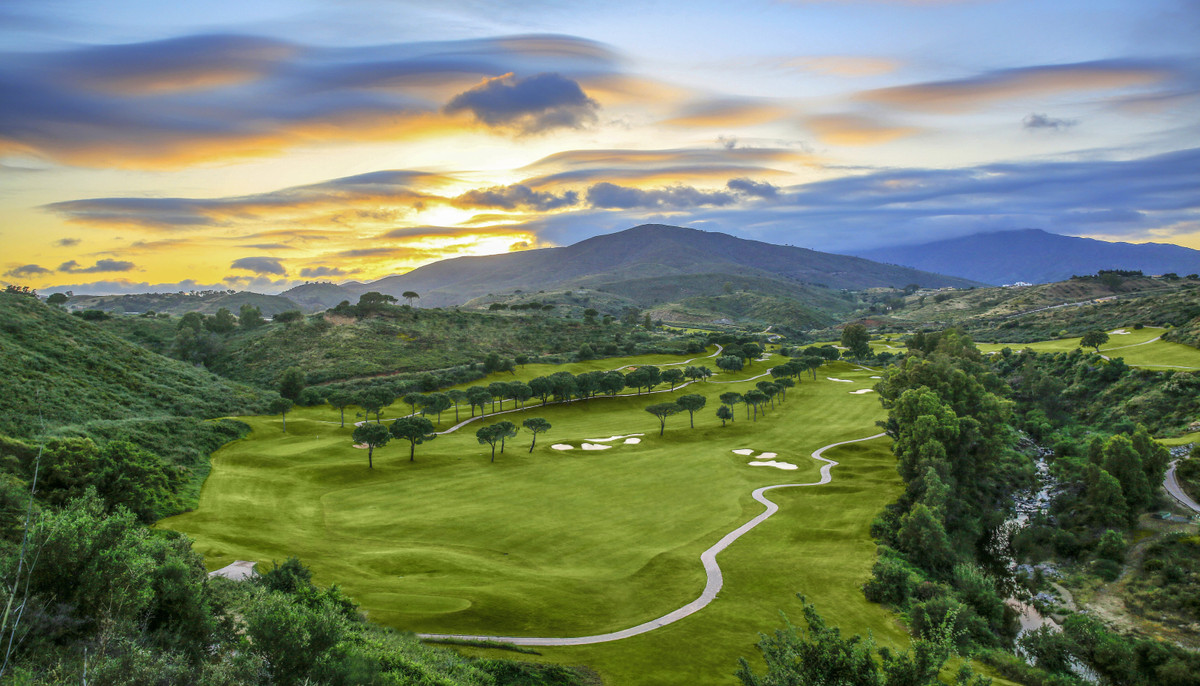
362	152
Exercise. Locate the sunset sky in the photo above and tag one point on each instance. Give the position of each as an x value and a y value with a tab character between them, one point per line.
256	145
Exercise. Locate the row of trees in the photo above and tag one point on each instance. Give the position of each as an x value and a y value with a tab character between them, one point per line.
417	430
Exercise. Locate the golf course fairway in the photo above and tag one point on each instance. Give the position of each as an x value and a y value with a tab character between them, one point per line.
573	543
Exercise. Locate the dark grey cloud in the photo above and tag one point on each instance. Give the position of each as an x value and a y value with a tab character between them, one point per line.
260	265
757	189
171	103
516	196
606	195
1036	121
315	272
1146	198
101	266
67	242
27	270
531	105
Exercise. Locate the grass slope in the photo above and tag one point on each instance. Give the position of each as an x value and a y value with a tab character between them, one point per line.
1138	347
76	373
575	542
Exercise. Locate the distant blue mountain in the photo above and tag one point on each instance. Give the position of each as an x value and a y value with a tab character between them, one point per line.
1034	256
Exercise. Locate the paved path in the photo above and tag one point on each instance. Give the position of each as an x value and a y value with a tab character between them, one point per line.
708	558
1172	486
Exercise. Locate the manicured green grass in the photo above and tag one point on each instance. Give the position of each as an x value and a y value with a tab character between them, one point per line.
577	542
1181	440
1134	347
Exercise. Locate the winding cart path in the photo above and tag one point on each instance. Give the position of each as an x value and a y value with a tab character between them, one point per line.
711	569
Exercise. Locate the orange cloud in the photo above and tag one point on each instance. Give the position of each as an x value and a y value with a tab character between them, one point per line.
852	129
969	94
842	65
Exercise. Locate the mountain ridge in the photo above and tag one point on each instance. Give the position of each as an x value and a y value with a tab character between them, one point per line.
647	250
1035	256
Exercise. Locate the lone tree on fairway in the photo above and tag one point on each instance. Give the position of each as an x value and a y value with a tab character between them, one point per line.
856	338
291	384
410	296
340	400
437	403
662	411
414	430
731	399
691	403
458	397
280	405
374	399
495	433
507	430
478	395
536	425
730	363
755	398
373	436
672	377
1093	339
413	400
723	413
784	384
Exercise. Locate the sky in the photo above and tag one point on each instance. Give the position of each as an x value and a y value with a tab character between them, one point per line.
151	146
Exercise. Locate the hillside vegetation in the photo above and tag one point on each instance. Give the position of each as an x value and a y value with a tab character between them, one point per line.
1033	313
72	372
206	302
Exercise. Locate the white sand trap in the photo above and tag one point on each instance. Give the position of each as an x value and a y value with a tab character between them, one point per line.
839	380
632	441
361	446
611	438
861	391
562	446
743	451
876	377
595	446
1119	332
768	456
239	570
773	463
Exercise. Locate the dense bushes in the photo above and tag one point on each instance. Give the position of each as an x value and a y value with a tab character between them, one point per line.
133	606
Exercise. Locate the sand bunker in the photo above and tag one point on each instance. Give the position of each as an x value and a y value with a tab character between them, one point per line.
768	456
611	438
743	451
632	441
239	570
361	446
1119	332
861	391
839	380
773	463
562	446
876	377
595	446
